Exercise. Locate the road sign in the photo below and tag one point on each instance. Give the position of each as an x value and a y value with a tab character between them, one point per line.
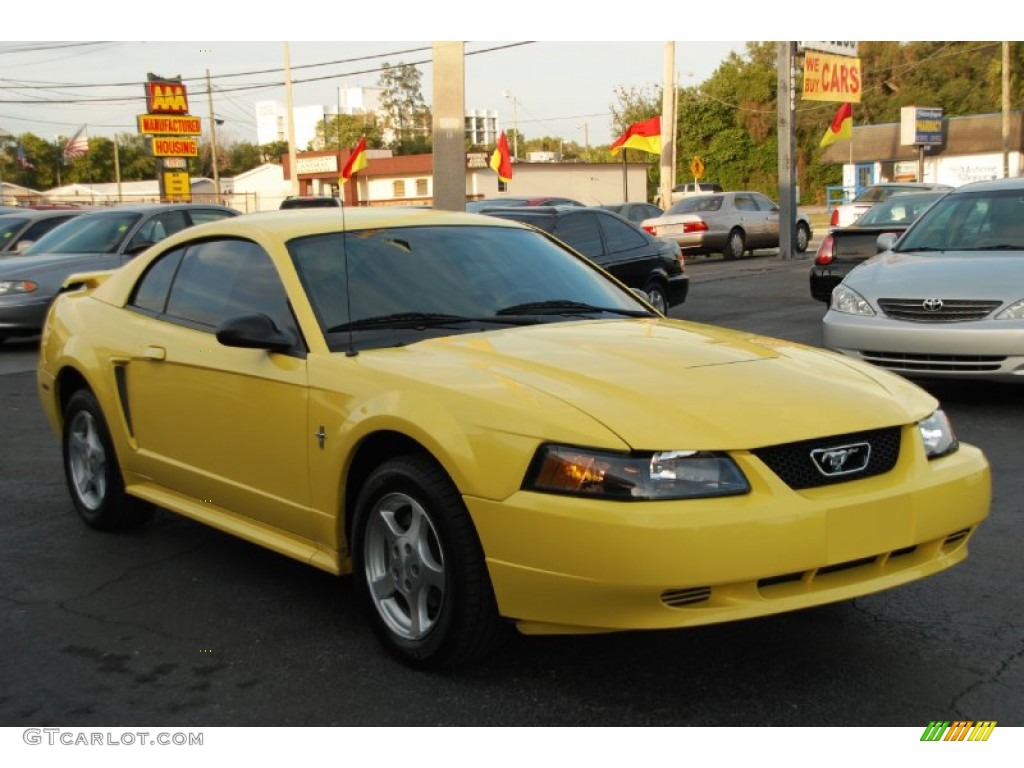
697	168
848	48
177	146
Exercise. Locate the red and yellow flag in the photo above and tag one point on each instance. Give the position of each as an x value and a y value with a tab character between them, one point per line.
501	160
356	161
645	136
842	125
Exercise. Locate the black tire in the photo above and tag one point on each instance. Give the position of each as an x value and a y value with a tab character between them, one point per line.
735	245
92	472
803	237
414	545
656	296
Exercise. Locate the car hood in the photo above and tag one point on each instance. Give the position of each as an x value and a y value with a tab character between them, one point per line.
46	263
947	275
666	384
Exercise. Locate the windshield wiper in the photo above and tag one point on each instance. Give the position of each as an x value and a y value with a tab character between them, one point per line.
1000	247
566	307
421	320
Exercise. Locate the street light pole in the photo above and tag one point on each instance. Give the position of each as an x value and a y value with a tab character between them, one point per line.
515	125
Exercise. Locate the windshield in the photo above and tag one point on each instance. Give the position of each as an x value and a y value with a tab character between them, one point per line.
439	277
697	204
878	194
475	206
978	221
89	233
898	210
9	227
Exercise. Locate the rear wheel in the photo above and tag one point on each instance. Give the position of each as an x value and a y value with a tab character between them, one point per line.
656	296
735	245
803	237
91	470
420	568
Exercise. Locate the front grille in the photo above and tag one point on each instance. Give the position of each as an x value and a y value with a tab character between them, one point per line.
904	361
793	464
948	311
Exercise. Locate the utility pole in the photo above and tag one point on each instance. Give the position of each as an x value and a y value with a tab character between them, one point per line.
1006	109
290	107
117	170
449	126
786	107
667	162
213	139
515	125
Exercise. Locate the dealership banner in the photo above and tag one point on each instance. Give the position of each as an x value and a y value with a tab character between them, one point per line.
831	78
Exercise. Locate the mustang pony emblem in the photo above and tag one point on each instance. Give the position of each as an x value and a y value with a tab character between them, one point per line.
841	459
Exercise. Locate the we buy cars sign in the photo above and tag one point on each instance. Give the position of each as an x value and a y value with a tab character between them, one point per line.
831	78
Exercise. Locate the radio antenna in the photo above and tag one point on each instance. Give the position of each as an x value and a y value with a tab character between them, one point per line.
351	351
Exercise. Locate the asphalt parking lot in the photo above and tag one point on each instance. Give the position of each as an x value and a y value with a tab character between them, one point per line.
180	625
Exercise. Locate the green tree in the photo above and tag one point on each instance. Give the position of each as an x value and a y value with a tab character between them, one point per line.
344	131
406	116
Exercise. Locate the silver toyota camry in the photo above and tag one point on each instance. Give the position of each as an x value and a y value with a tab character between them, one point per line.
947	299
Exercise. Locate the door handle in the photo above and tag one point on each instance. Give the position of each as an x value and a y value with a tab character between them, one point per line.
153	352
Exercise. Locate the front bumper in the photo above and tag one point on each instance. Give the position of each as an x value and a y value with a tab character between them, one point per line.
569	565
988	349
23	314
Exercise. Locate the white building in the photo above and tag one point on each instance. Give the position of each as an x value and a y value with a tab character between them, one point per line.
272	122
482	127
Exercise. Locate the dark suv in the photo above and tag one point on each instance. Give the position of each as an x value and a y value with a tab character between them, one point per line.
636	258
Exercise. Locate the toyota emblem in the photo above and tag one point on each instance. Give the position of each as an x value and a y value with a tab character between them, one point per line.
932	305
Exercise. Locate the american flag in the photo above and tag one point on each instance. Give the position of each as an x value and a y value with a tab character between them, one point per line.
78	145
23	161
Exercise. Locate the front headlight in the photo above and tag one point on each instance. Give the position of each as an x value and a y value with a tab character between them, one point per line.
848	301
1013	312
634	476
8	287
937	435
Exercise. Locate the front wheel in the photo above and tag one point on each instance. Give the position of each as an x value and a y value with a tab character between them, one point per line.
803	237
420	568
735	245
91	470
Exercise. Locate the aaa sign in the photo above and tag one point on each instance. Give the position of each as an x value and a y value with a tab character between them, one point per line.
831	78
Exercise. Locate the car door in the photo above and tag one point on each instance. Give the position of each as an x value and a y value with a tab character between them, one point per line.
629	255
225	426
752	219
770	213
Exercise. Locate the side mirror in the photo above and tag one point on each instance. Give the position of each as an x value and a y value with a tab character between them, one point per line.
886	241
255	331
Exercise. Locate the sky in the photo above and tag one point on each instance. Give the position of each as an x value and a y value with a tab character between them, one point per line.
551	88
563	84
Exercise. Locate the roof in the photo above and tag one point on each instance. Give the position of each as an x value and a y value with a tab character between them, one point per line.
970	135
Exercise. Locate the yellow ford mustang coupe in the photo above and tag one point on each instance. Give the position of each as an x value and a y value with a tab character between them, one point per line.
488	432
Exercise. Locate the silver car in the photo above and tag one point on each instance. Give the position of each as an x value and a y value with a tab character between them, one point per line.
730	223
96	240
947	301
